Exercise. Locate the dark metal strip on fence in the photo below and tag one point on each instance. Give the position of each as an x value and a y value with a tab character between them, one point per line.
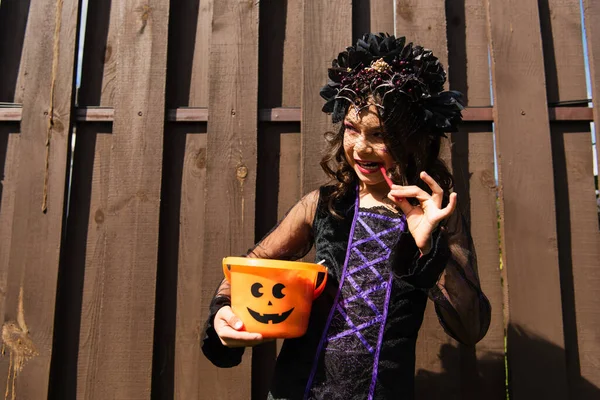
286	114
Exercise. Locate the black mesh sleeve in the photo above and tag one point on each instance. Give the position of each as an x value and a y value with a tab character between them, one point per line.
290	239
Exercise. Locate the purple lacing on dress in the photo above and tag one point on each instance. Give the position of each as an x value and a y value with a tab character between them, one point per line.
339	308
337	296
380	339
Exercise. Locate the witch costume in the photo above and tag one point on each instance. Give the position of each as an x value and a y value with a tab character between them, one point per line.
361	337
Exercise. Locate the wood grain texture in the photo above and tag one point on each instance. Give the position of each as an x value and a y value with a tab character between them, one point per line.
560	22
44	88
372	16
9	167
79	306
437	355
579	252
13	21
230	163
468	64
185	193
120	355
589	360
99	67
578	235
182	215
529	238
482	372
591	12
279	145
326	33
280	56
423	23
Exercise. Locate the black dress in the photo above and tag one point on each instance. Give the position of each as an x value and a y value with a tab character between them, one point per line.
360	343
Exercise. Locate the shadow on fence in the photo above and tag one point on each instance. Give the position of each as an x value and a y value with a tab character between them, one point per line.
434	385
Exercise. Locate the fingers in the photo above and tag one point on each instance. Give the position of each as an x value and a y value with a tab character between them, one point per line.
409	191
449	209
404	205
229	329
437	193
232	320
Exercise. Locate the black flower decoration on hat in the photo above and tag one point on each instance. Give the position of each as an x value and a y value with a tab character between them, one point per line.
384	67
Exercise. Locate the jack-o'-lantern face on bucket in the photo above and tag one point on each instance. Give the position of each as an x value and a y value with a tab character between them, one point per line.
272	302
273	297
277	291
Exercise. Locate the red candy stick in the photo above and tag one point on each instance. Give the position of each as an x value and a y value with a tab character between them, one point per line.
388	180
385	176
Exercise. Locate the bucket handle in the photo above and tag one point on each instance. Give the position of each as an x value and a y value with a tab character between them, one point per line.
319	289
227	271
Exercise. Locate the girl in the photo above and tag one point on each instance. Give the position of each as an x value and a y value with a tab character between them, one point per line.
387	246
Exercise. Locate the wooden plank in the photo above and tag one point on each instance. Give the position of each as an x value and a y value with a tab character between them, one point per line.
423	23
591	13
468	67
292	56
565	71
560	22
76	309
372	16
278	173
99	68
86	228
437	355
588	323
326	33
528	224
9	167
13	21
281	55
182	307
230	162
76	316
120	355
482	372
182	227
579	251
277	190
44	87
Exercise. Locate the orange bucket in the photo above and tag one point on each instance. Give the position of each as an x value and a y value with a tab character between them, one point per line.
273	297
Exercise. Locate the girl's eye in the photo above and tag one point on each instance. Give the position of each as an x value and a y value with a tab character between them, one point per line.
378	134
350	128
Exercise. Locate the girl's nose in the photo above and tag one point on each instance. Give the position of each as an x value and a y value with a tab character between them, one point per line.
362	144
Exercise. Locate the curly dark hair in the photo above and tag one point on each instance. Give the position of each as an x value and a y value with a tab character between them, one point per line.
406	83
412	153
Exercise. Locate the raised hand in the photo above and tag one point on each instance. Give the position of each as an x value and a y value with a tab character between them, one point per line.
423	219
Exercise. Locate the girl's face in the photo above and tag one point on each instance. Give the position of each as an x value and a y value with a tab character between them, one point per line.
364	147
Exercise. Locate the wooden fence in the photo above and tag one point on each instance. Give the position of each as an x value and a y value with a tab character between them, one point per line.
198	123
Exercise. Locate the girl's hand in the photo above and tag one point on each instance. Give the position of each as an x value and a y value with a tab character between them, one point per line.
229	328
424	218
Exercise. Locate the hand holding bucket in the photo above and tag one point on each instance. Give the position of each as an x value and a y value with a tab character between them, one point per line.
274	297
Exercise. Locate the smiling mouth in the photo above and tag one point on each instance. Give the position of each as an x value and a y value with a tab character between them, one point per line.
370	166
270	318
